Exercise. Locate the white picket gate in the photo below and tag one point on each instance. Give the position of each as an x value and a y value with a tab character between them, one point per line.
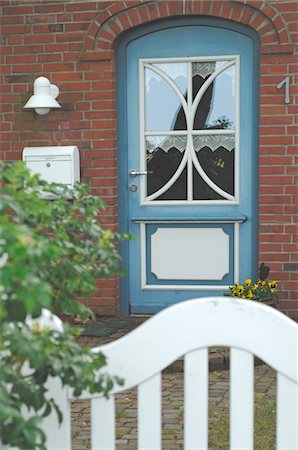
188	329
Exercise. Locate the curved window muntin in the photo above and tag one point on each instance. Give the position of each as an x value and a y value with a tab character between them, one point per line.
189	159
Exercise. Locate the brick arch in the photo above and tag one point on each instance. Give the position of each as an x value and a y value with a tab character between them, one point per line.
121	16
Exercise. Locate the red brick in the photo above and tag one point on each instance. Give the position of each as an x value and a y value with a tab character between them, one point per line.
276	120
205	10
39	39
124	20
275	237
69	37
270	180
256	21
248	12
134	17
15	29
275	248
49	28
236	13
163	9
271	140
275	160
216	9
153	10
113	28
73	7
17	10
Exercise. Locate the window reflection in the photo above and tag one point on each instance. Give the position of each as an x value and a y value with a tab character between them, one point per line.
216	109
164	155
162	104
219	167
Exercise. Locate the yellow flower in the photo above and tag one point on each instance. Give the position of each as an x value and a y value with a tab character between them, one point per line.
249	295
272	284
248	282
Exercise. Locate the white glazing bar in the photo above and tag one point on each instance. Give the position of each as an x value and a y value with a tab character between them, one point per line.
103	424
189	95
241	400
189	175
287	413
149	414
196	400
189	130
211	132
194	59
166	133
236	252
142	109
237	133
207	132
186	287
143	255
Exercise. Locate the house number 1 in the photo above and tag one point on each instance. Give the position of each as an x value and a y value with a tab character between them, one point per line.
285	82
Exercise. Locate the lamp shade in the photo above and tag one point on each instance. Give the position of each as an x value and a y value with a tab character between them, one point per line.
44	96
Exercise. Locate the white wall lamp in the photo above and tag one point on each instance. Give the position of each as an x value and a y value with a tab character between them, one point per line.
44	96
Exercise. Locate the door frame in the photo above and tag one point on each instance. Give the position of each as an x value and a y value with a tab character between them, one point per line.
121	79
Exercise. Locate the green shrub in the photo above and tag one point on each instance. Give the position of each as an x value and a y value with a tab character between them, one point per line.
51	254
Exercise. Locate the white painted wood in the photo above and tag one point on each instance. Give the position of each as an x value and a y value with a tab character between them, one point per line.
199	323
241	400
187	287
149	414
187	59
190	328
58	436
103	423
287	413
143	255
236	252
61	437
189	253
142	154
196	400
237	133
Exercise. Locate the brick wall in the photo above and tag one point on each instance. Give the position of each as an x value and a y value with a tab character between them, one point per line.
72	43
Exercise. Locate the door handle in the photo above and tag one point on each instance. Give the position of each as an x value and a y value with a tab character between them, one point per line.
134	173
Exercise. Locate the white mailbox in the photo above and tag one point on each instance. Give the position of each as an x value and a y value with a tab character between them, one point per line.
54	164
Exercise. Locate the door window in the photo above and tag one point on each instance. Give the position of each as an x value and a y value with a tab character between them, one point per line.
189	131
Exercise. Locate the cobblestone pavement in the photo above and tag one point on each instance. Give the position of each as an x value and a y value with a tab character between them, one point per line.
172	402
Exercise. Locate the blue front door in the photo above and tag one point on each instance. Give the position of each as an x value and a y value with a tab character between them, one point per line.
188	171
